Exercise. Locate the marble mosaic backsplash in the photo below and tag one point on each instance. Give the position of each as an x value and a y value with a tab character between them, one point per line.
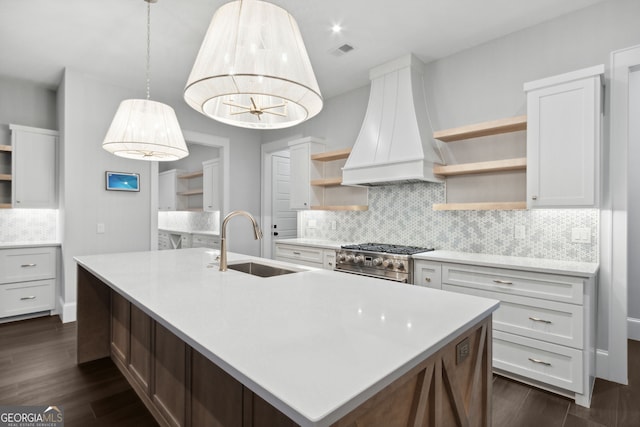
402	214
190	221
28	225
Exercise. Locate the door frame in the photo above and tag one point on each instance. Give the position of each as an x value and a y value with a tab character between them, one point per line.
613	248
199	138
266	152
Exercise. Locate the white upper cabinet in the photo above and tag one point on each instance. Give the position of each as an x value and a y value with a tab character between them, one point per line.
34	167
169	186
302	171
211	185
563	139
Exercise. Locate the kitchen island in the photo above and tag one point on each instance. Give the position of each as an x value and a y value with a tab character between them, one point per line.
311	348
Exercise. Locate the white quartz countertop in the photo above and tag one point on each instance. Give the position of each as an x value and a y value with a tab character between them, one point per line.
18	245
587	269
314	344
180	231
316	243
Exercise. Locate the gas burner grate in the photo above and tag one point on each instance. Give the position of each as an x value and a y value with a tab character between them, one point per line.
386	248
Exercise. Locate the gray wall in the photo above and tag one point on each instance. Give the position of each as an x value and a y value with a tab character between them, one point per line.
485	82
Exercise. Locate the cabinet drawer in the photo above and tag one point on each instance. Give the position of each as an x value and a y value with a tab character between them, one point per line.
300	253
551	321
204	241
537	285
427	273
21	265
549	363
27	297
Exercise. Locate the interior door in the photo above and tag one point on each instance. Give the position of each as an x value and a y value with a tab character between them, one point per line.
284	223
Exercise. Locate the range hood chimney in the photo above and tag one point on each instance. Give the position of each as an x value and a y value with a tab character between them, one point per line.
395	144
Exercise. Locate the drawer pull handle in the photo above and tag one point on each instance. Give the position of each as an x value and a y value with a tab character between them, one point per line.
427	279
296	253
537	319
27	298
503	282
28	265
540	362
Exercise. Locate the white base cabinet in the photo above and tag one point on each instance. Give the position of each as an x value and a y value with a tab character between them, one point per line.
306	255
27	280
544	330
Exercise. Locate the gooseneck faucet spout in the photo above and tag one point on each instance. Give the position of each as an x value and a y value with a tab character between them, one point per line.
223	236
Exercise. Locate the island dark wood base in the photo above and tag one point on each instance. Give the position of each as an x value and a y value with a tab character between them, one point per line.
181	387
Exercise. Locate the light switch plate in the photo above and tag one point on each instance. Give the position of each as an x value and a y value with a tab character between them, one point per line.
311	223
100	228
333	225
581	235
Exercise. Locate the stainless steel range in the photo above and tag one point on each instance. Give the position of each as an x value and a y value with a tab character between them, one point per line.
391	262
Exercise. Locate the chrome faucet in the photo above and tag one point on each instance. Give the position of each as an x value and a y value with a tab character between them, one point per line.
223	236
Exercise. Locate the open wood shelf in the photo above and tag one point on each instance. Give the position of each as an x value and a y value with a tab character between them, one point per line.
191	175
191	192
5	205
329	156
519	163
341	208
5	177
6	148
505	206
494	127
327	182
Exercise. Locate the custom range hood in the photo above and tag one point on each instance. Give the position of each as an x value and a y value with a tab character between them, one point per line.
395	144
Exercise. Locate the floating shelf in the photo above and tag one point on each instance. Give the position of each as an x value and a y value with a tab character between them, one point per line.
341	208
494	127
5	205
191	192
505	206
191	175
327	182
5	177
519	163
6	148
329	156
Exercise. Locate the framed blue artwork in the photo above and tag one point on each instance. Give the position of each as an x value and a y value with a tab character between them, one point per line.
122	181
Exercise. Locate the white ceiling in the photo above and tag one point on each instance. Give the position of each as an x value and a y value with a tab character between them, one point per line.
107	38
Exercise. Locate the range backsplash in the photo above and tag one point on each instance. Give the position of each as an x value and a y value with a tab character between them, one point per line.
28	225
402	214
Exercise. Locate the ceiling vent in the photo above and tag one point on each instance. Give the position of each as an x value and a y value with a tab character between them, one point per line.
342	50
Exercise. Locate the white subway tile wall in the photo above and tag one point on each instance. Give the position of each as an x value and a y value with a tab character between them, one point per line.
402	214
28	225
189	221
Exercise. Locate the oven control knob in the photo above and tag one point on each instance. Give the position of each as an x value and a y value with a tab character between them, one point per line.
398	265
349	258
341	257
377	261
387	263
359	259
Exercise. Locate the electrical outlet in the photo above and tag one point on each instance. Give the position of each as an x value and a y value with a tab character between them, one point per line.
100	228
334	226
520	232
311	223
581	235
462	351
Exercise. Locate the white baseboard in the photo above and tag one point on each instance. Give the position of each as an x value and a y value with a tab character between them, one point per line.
633	328
68	311
602	364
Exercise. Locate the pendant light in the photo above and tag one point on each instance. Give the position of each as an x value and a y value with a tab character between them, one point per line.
143	129
253	70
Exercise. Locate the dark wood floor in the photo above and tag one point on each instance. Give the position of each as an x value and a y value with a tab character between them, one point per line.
37	367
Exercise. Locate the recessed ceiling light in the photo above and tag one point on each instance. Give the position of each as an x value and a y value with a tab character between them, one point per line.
336	28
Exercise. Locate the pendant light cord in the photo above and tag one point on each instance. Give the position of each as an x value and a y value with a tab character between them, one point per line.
148	49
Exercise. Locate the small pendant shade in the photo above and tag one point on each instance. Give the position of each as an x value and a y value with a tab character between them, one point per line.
253	70
145	130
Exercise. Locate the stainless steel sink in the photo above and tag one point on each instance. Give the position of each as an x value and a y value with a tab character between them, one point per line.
261	270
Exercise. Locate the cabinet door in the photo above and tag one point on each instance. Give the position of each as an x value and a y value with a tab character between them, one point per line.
329	259
140	347
211	186
34	169
563	143
167	191
428	274
300	195
170	372
120	322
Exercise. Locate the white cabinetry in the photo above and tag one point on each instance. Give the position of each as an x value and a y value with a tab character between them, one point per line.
27	280
169	185
34	160
306	255
205	241
303	171
212	185
427	273
544	330
563	139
